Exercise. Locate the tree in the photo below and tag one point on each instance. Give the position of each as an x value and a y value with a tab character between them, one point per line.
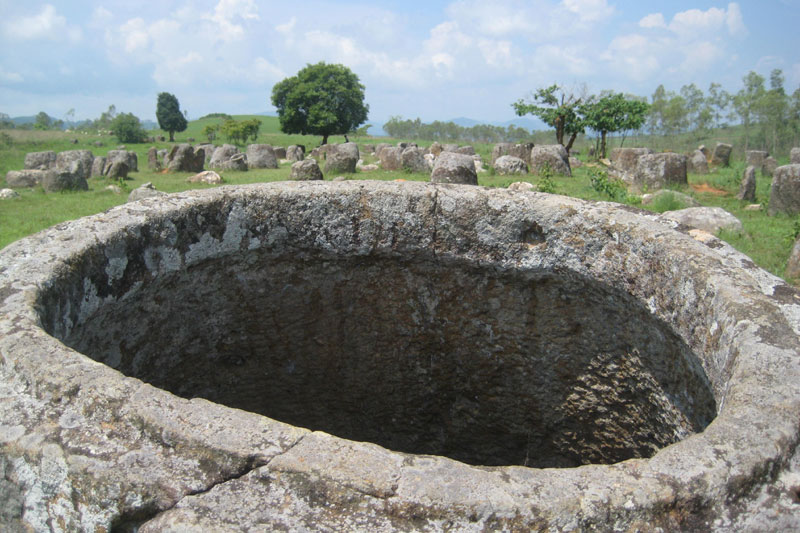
210	131
613	112
128	129
556	108
169	115
320	99
43	121
774	111
747	100
239	132
717	102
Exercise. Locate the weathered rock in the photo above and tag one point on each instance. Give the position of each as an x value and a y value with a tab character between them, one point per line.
450	147
413	160
697	163
128	157
76	162
295	153
793	263
794	156
506	165
574	162
499	150
430	159
391	158
625	159
208	176
356	309
520	186
710	219
147	190
280	152
307	169
704	149
114	189
185	158
7	194
684	200
118	170
228	157
341	158
435	148
451	167
261	156
72	179
656	171
153	163
747	188
770	164
98	165
478	164
208	151
755	158
40	160
379	147
553	156
19	179
368	168
722	155
784	194
466	150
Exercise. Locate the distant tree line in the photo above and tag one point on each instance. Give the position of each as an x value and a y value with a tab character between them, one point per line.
768	116
450	131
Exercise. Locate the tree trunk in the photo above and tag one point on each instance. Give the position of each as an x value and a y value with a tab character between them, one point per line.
172	136
602	144
324	139
571	140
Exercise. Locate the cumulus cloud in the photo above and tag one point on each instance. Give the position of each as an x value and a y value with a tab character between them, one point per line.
654	20
692	41
589	10
47	24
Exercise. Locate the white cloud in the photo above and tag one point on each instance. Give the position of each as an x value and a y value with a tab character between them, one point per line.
228	12
654	20
633	56
10	77
695	22
735	21
47	24
589	10
693	41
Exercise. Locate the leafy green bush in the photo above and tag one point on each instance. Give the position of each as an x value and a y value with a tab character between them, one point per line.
546	183
612	188
128	129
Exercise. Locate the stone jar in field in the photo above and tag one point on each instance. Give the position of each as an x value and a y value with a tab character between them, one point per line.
451	167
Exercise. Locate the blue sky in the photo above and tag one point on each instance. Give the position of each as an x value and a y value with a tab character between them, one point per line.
428	59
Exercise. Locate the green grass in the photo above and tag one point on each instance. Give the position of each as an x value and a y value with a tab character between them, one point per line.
767	240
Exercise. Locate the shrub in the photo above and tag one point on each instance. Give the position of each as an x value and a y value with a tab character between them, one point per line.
612	188
128	129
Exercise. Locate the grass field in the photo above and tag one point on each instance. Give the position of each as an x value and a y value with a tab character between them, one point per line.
767	240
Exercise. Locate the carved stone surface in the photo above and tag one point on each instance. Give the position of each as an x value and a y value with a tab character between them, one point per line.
472	335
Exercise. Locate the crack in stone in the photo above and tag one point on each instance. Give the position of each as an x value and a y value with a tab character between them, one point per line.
253	463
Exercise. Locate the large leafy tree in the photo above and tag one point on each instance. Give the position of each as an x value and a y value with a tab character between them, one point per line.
321	99
169	115
613	112
558	109
128	128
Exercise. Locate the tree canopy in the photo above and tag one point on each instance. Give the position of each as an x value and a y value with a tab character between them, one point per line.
558	109
613	112
128	129
169	115
320	99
